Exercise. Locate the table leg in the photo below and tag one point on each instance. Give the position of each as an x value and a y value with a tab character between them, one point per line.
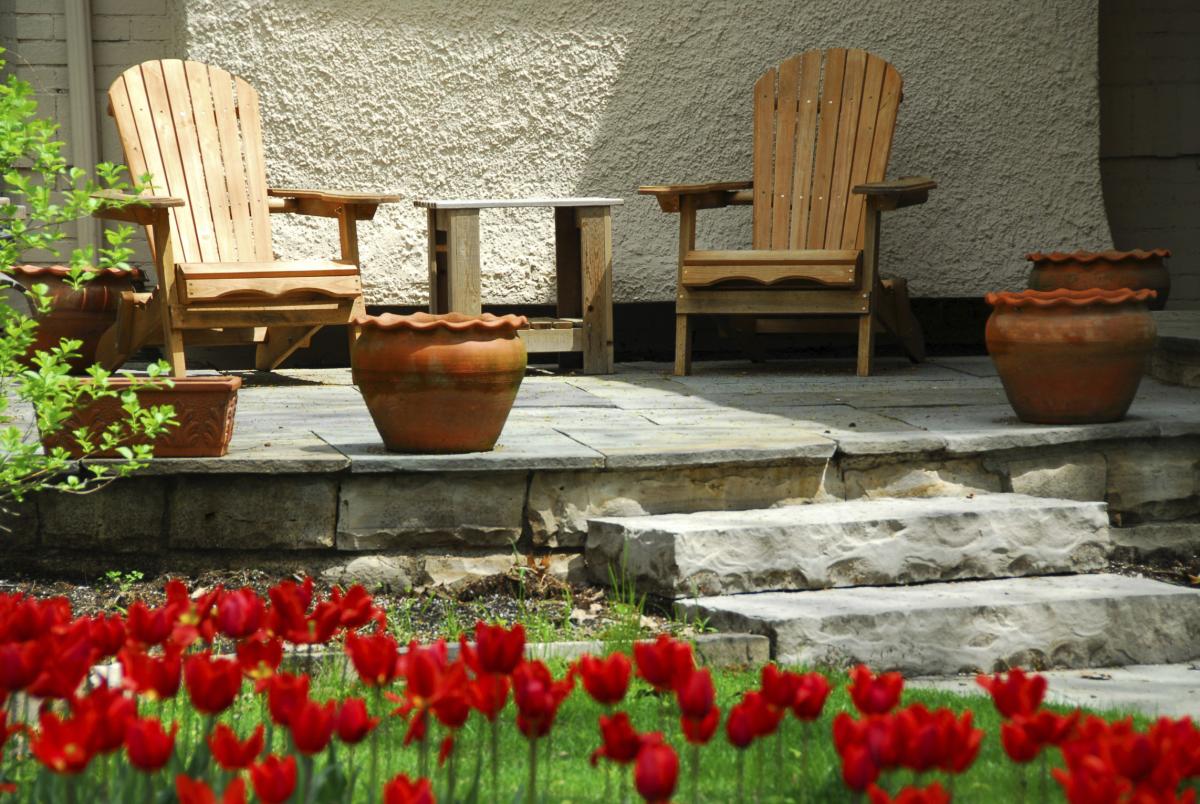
454	272
595	237
568	275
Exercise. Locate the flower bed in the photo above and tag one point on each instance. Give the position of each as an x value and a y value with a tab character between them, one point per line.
405	725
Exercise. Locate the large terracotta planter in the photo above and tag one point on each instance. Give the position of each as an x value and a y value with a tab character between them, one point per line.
204	408
1070	356
439	383
84	314
1106	270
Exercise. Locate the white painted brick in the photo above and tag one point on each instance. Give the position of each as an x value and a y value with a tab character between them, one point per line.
154	29
110	29
39	6
130	7
38	52
33	26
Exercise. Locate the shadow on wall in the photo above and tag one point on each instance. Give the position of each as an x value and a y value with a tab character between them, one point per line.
523	96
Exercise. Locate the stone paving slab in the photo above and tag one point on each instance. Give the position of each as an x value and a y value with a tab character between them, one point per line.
876	542
1156	690
969	626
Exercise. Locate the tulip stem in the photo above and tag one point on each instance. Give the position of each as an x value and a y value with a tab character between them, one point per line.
496	759
531	793
373	789
741	776
696	773
1042	783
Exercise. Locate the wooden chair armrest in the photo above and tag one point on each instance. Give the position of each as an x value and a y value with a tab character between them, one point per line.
334	196
704	196
143	209
896	193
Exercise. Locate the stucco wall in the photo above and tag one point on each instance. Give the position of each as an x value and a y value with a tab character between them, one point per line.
515	97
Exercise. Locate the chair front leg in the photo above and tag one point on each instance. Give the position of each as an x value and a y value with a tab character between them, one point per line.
683	328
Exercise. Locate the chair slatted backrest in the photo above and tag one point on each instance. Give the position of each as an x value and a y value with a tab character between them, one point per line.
823	122
196	130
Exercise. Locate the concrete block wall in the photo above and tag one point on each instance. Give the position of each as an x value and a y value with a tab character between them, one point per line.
124	32
1150	132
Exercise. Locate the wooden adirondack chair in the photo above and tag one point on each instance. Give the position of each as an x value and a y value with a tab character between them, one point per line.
823	124
196	130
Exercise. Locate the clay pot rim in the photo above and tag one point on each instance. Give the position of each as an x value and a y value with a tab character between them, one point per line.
62	271
181	385
453	322
1064	297
1089	257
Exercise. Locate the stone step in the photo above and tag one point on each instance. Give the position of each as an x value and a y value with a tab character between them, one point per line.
971	626
873	542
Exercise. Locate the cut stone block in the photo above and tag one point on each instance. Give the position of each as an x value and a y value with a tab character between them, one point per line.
561	503
855	543
1154	480
252	512
972	626
124	517
1171	541
1082	476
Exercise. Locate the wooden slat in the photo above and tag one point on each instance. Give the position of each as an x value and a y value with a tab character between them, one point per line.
120	108
136	125
867	114
595	238
785	151
208	136
203	289
707	275
764	144
808	104
826	149
773	257
191	158
769	302
256	314
259	270
491	203
158	108
462	260
225	111
256	168
885	126
843	160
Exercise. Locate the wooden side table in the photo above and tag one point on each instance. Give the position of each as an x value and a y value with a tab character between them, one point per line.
583	270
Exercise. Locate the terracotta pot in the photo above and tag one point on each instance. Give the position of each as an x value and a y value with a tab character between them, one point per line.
1070	356
439	383
84	314
1106	270
204	408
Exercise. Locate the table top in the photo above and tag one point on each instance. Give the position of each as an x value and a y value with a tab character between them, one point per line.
482	203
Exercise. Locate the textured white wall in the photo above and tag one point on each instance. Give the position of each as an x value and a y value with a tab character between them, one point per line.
516	97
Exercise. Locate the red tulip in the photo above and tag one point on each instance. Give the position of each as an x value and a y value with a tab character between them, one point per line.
963	746
375	657
656	772
195	791
285	694
231	753
698	731
63	746
107	634
488	694
1050	728
858	769
739	726
240	613
155	677
779	687
312	725
934	794
149	626
1016	694
664	662
110	713
763	717
147	745
402	790
1019	742
497	650
621	742
69	657
259	659
212	684
20	664
356	607
875	695
606	680
274	779
1092	781
353	721
696	695
537	696
811	691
